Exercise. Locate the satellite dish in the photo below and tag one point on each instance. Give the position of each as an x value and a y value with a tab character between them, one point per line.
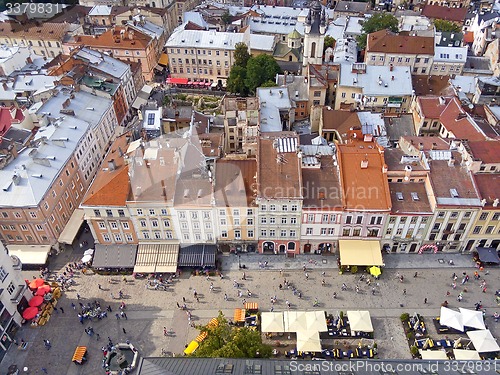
471	106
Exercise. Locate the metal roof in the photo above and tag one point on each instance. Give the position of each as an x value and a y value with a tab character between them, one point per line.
104	63
204	39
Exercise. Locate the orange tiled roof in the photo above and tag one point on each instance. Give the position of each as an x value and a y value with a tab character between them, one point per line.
408	205
364	188
339	120
110	187
114	39
387	42
46	31
235	182
486	151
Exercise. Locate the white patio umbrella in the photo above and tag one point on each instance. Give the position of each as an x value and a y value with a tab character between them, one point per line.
466	355
272	322
472	318
308	341
86	258
316	321
360	321
89	252
295	321
433	354
451	318
483	341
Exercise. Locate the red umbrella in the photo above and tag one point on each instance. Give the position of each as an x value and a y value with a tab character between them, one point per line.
44	289
30	313
36	283
36	301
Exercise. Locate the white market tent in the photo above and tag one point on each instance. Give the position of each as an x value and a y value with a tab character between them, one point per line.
316	321
433	354
295	321
466	355
308	341
451	318
30	254
272	322
483	341
360	321
472	318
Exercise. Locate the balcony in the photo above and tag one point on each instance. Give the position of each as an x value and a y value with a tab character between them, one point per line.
394	102
18	293
16	263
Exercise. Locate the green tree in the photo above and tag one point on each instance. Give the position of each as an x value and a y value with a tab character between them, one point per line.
378	21
269	84
260	69
226	18
241	55
329	42
236	80
443	25
225	341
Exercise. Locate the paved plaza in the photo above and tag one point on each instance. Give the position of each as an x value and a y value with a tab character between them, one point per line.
148	311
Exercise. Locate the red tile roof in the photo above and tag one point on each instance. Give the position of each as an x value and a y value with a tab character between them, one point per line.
364	184
486	151
488	185
455	120
432	107
120	37
235	182
445	13
110	187
388	42
9	116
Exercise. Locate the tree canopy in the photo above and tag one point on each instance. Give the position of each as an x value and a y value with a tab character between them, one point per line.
329	42
236	80
241	55
443	25
226	341
378	21
260	69
226	18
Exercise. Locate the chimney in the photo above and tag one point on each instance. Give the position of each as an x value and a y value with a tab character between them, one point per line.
495	202
120	152
364	164
111	164
29	60
16	178
385	168
421	146
434	146
407	172
392	78
5	86
66	103
451	162
391	67
13	150
281	93
483	202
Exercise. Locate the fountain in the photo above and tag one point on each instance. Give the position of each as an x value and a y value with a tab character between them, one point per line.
121	359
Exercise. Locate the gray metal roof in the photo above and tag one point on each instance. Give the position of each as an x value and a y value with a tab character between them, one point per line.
34	178
272	100
204	39
148	28
105	63
114	256
369	81
79	104
262	42
240	366
275	26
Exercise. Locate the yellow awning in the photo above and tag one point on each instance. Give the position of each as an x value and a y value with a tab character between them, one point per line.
193	345
71	229
30	254
163	59
360	253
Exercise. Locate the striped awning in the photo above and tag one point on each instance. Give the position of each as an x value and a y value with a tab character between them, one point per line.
213	323
199	255
239	315
157	257
202	336
251	306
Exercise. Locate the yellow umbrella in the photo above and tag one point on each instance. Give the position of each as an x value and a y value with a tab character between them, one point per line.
375	271
193	345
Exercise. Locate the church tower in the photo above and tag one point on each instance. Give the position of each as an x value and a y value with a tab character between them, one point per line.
314	39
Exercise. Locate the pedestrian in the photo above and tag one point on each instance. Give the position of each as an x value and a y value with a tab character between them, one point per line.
225	297
448	293
178	306
404	292
124	278
184	299
73	306
109	308
416	274
165	332
77	296
44	370
117	316
244	301
194	293
99	286
373	291
62	310
123	315
244	277
197	299
307	276
112	296
125	332
425	300
97	336
81	305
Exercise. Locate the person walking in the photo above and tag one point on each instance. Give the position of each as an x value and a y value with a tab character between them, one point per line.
117	316
225	297
123	315
44	370
124	331
99	286
425	300
404	292
307	276
77	296
62	310
73	306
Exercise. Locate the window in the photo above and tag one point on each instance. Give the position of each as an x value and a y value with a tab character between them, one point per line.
309	231
114	225
143	223
223	234
348	219
263	233
237	234
284	207
129	237
236	212
283	220
489	229
109	213
121	213
346	232
294	207
125	225
249	211
263	207
373	232
331	231
206	215
152	211
272	207
496	216
11	288
155	223
356	232
182	215
184	225
250	221
441	214
324	218
483	216
106	237
477	229
293	220
222	212
3	274
359	219
272	220
38	227
102	225
194	215
164	211
157	235
292	233
223	221
343	95
139	211
118	237
250	233
310	218
24	227
323	231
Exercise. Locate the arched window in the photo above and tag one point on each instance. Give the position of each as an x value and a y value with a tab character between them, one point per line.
313	49
290	58
291	245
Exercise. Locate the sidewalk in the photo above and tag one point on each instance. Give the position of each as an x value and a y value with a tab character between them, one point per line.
229	262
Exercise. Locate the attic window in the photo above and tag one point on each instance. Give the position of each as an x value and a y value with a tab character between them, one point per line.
399	195
454	193
414	196
321	195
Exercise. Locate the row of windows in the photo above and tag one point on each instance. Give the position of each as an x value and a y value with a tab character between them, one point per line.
28	238
272	233
198	52
199	71
325	218
273	207
374	220
237	234
118	237
323	231
272	220
369	99
200	62
30	43
236	212
403	219
121	213
400	59
489	229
